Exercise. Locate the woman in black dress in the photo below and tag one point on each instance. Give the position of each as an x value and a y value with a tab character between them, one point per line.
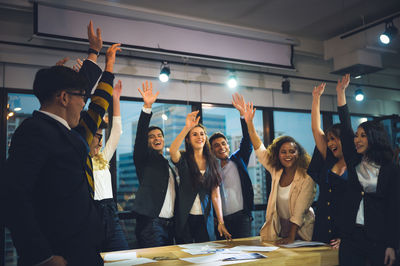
328	170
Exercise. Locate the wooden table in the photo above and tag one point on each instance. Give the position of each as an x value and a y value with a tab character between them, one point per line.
324	255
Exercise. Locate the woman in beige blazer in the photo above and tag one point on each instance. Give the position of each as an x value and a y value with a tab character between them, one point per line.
289	213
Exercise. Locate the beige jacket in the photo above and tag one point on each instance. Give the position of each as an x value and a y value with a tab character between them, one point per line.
301	197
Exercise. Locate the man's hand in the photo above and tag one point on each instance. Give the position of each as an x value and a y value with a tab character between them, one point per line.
95	40
390	256
78	65
147	94
55	261
110	56
62	62
239	103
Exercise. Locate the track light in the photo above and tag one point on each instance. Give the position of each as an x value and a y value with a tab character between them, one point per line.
285	85
232	81
359	95
165	71
389	33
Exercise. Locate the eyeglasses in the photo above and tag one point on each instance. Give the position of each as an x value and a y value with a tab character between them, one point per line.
84	96
99	136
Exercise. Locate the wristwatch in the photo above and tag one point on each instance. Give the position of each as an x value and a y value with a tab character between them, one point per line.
93	51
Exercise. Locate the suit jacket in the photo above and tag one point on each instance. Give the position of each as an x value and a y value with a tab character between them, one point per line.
44	190
301	196
241	159
152	169
381	209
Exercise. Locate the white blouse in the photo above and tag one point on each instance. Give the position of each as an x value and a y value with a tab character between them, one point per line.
102	178
196	207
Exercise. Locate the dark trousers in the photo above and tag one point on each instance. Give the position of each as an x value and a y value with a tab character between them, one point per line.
154	232
238	225
78	252
114	235
197	229
357	250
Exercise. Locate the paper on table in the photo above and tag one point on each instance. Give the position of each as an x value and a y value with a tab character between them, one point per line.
120	256
205	245
254	248
299	243
137	261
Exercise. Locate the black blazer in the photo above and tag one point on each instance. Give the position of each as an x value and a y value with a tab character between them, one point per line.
241	159
381	209
44	189
152	170
46	192
331	189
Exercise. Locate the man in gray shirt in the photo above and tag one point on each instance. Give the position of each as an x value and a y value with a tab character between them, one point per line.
236	189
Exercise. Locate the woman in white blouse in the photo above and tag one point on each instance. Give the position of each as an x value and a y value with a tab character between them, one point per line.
289	213
103	194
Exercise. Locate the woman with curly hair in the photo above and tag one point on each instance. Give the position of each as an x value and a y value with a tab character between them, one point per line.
289	213
199	185
370	224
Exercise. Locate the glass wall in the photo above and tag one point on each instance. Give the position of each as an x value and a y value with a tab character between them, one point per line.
296	125
355	120
20	107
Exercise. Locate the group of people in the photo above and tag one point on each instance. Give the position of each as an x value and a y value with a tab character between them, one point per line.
56	190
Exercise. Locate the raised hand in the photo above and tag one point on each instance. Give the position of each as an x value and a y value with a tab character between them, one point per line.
249	112
117	90
62	62
343	84
110	56
147	94
239	103
78	65
319	90
191	120
95	40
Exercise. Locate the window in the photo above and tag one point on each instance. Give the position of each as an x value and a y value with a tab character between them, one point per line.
296	125
20	107
354	119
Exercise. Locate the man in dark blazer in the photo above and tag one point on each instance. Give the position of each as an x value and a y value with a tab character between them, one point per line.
45	189
155	200
237	193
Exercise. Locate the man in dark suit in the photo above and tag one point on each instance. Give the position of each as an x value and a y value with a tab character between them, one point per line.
46	187
237	193
155	200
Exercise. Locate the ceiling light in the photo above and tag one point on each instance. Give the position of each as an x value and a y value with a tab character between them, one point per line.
164	73
389	33
232	81
164	117
359	95
358	77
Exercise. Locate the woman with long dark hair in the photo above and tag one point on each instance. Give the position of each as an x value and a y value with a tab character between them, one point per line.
370	225
199	184
328	170
289	213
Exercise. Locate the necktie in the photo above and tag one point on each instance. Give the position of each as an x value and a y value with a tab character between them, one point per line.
88	164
